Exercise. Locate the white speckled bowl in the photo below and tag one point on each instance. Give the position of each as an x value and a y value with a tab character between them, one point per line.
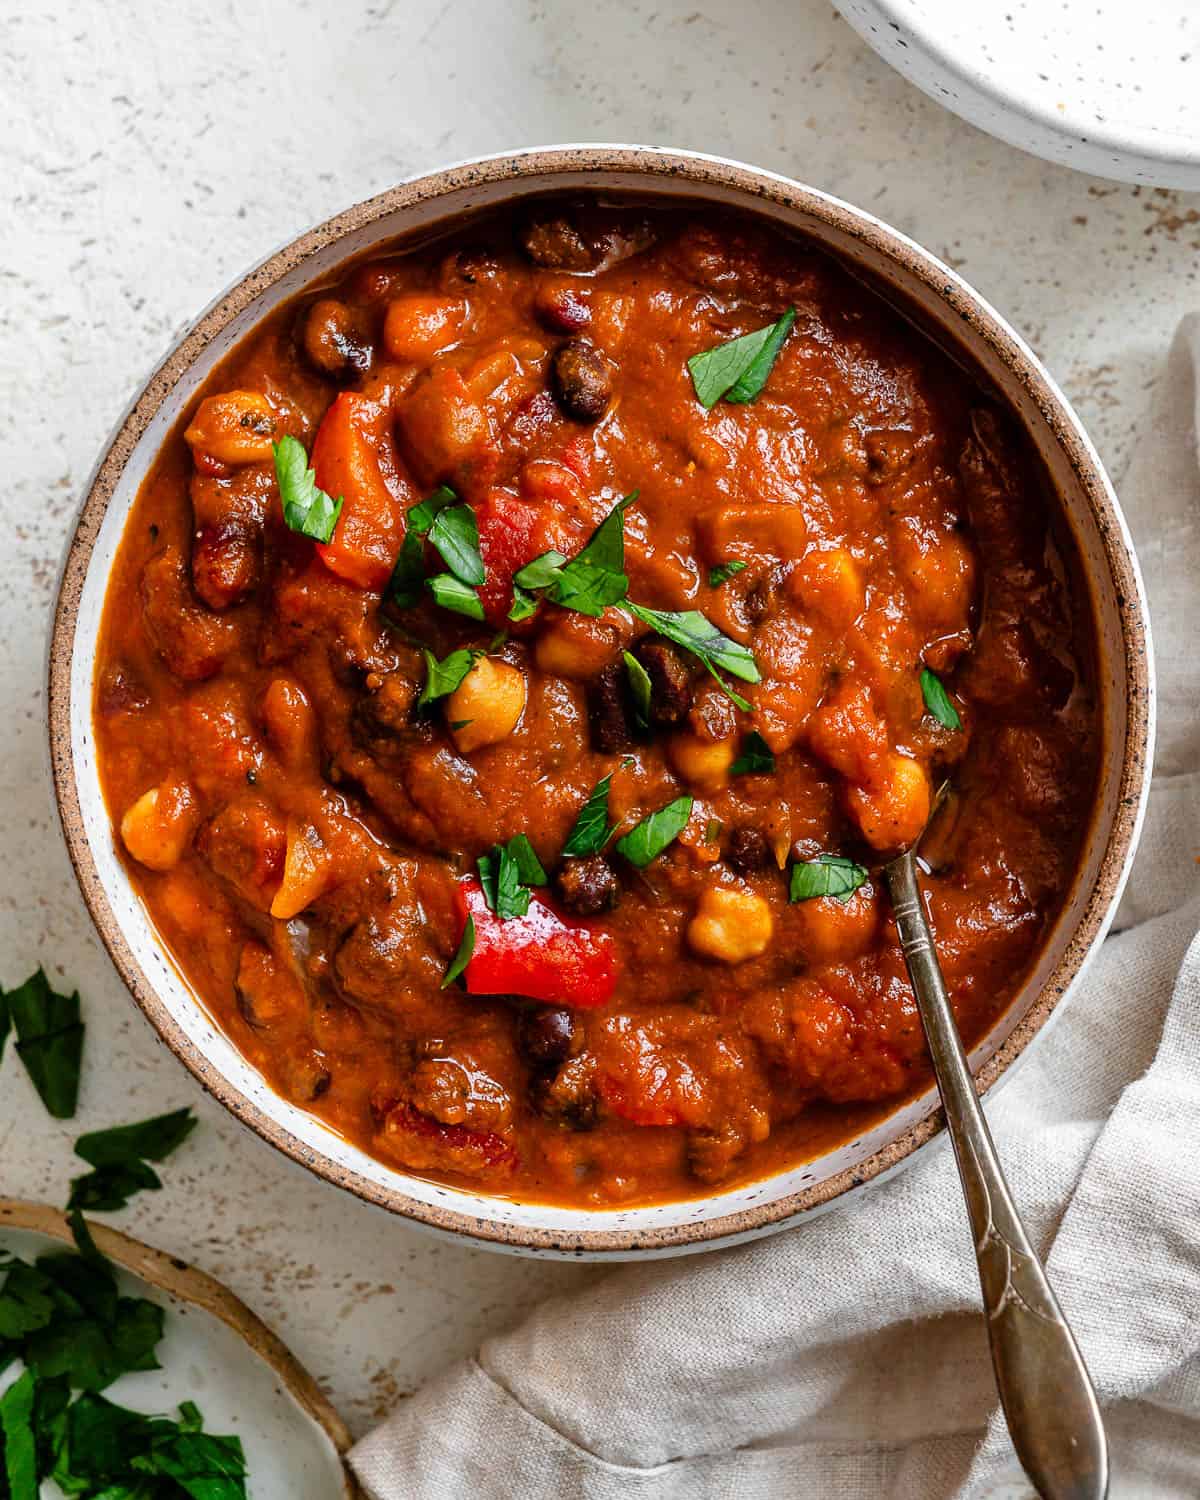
949	309
1101	85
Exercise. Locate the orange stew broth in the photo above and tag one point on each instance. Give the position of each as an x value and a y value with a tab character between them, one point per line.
302	831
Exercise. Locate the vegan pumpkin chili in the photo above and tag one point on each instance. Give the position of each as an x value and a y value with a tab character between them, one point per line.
519	662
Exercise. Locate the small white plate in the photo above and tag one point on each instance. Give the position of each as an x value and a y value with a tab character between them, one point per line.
216	1353
1106	86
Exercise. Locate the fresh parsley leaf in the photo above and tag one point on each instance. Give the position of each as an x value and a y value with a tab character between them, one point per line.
652	835
110	1188
306	508
93	1352
452	593
463	957
204	1466
49	1041
827	875
722	572
455	534
690	629
592	828
404	586
20	1447
86	1245
442	677
639	687
4	1022
120	1156
506	873
149	1140
524	605
937	700
739	369
756	756
595	577
27	1301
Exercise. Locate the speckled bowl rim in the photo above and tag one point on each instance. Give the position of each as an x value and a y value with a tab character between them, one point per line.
975	321
186	1283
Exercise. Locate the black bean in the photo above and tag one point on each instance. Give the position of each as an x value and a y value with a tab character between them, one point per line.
671	673
608	704
581	379
334	339
546	1034
748	850
587	886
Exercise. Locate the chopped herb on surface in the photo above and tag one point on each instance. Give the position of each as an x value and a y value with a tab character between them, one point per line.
49	1040
442	677
463	957
723	572
307	509
639	687
739	369
756	756
408	576
455	535
591	580
524	605
653	834
691	630
592	829
827	875
120	1156
451	593
937	700
506	874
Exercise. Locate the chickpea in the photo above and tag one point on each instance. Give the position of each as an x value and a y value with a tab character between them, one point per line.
307	871
487	705
892	812
701	762
158	827
828	585
579	646
419	325
730	924
236	427
831	929
939	570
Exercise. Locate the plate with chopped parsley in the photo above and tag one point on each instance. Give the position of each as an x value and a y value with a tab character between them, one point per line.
128	1375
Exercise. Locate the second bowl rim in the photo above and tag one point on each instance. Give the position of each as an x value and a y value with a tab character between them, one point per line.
659	166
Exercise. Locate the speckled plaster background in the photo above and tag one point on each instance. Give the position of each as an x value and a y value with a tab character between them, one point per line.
149	152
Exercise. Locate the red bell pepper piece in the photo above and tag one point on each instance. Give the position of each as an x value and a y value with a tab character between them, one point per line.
539	955
509	537
354	457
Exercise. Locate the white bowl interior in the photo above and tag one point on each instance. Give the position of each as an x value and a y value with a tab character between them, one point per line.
315	1139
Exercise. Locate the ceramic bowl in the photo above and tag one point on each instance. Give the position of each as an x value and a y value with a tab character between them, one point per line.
1108	88
216	1352
951	312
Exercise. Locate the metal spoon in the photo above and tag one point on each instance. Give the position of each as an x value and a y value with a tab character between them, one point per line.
1045	1390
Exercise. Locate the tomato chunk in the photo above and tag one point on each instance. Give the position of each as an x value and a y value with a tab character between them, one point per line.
539	955
510	535
354	457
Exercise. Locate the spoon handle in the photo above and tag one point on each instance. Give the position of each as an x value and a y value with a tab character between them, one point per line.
1047	1396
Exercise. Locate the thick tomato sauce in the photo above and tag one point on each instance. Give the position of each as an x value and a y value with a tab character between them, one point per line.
305	832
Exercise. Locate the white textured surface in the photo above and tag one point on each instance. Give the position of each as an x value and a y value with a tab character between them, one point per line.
148	153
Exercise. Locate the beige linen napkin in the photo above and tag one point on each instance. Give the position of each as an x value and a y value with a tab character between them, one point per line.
846	1358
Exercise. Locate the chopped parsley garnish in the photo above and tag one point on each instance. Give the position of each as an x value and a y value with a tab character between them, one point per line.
756	756
452	593
404	586
827	875
49	1041
307	509
739	370
722	572
639	687
455	534
937	700
120	1156
463	957
443	677
524	605
506	874
591	580
691	630
653	834
592	829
